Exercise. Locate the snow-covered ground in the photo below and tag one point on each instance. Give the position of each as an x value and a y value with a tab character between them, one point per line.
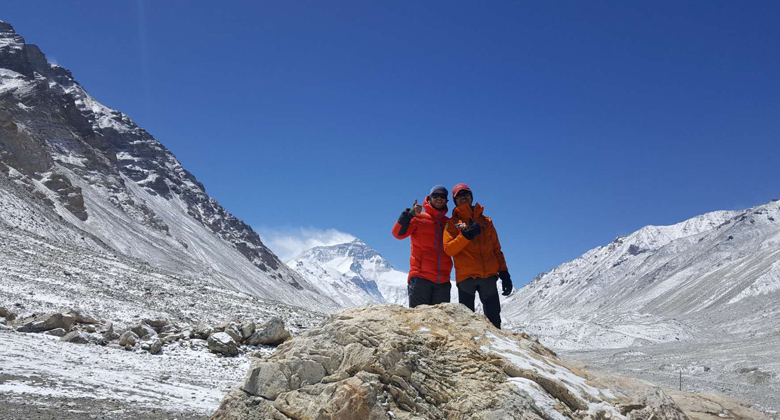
743	367
181	380
39	373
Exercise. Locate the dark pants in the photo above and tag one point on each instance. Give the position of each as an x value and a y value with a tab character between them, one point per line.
488	295
426	292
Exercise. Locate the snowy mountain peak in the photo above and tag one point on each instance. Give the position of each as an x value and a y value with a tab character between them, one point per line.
661	283
356	249
352	273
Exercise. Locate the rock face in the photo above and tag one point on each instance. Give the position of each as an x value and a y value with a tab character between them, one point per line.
76	171
440	362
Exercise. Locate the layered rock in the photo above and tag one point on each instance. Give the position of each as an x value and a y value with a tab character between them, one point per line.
441	362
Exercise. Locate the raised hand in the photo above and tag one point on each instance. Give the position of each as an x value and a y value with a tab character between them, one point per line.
416	208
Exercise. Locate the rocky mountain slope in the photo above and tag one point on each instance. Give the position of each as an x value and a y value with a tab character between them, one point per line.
694	302
76	171
389	362
715	274
352	274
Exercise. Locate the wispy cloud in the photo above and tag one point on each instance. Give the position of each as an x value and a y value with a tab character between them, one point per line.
289	243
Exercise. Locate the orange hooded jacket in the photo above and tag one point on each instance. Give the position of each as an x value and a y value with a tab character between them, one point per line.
480	257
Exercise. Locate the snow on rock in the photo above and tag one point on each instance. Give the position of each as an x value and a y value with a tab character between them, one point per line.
430	362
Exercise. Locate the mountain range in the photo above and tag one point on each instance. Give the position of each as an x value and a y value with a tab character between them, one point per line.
95	211
718	273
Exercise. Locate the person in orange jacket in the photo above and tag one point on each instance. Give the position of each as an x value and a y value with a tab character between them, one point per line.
471	240
429	267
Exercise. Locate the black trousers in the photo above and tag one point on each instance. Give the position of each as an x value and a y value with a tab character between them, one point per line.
426	292
488	295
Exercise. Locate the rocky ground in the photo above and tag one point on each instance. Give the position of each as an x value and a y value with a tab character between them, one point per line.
743	367
42	376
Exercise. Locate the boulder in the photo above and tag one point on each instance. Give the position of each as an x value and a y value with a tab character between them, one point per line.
144	331
77	337
272	332
156	347
170	329
381	362
171	338
222	343
108	332
203	331
157	324
4	312
128	338
234	331
45	322
247	329
57	332
221	326
82	317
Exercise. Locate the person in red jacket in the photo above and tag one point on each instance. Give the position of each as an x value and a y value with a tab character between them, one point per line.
472	241
429	266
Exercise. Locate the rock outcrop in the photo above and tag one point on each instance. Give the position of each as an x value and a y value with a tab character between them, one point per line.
440	362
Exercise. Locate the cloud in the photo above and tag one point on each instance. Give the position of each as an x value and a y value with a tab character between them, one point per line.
289	243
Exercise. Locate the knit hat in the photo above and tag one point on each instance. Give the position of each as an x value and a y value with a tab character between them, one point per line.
438	188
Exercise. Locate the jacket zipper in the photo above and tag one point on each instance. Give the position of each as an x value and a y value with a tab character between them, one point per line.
481	255
438	245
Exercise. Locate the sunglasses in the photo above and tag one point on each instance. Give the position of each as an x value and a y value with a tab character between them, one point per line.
463	194
439	195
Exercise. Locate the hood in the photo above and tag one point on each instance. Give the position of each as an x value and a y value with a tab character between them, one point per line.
432	211
466	212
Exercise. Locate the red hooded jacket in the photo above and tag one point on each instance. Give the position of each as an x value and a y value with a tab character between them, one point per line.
428	261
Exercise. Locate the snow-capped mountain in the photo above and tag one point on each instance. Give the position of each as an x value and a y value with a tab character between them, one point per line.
76	171
352	274
713	275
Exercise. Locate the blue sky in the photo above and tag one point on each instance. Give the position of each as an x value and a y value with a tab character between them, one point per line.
573	122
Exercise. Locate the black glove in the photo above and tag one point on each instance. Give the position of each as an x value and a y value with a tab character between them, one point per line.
470	232
506	282
406	217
